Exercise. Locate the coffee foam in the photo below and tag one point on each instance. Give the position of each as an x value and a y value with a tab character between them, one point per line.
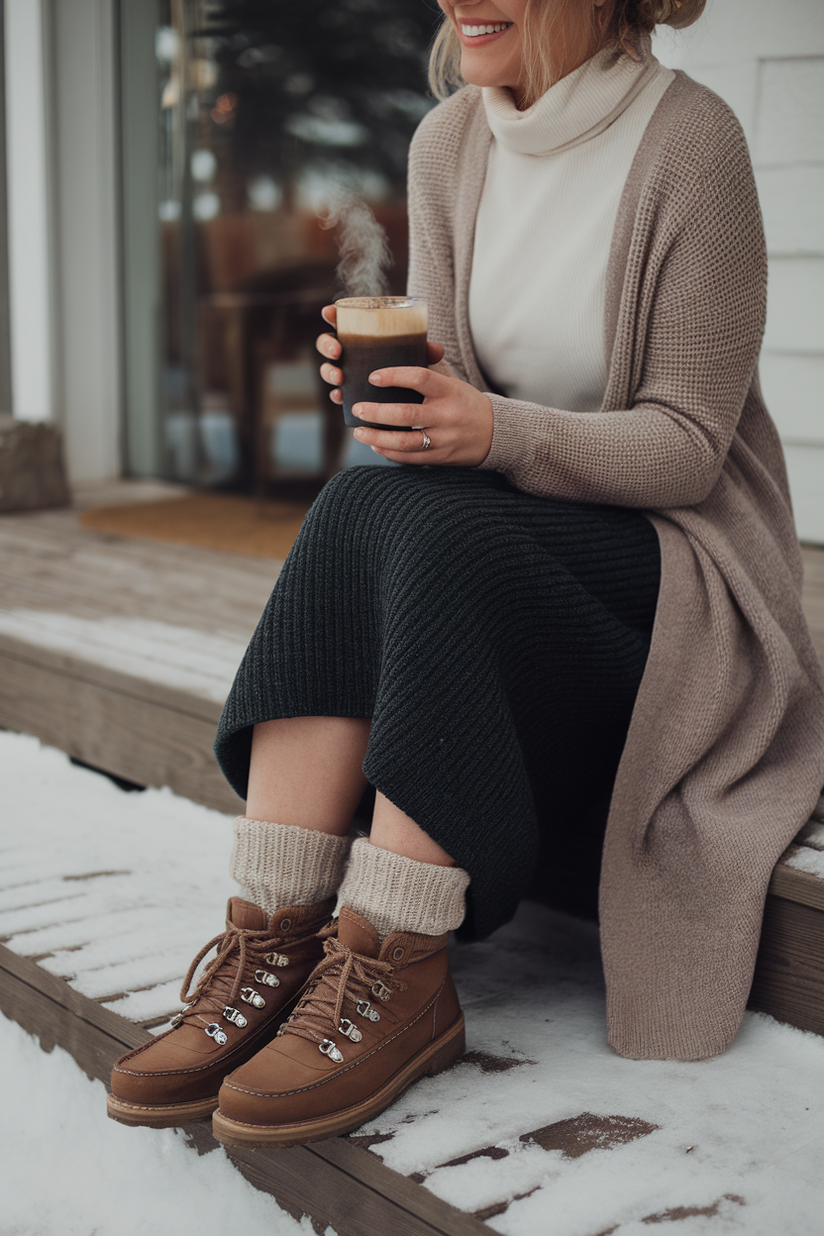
379	316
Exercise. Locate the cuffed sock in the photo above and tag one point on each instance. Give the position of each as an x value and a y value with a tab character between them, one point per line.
401	894
282	865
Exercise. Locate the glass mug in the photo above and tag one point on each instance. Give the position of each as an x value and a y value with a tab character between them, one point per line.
379	332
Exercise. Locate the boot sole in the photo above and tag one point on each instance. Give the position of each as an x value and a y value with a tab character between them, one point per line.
434	1058
159	1116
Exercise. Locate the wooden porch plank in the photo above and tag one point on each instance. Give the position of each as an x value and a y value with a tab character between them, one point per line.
799	886
70	665
789	973
334	1182
813	594
368	1169
144	741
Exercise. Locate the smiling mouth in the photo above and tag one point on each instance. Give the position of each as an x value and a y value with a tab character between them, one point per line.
475	32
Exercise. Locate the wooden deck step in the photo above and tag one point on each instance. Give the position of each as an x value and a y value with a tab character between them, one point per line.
121	652
341	1183
90	902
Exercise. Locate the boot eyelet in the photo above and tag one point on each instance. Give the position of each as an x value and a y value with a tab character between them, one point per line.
380	990
276	959
351	1031
250	996
268	980
328	1048
235	1016
365	1010
285	924
397	955
214	1032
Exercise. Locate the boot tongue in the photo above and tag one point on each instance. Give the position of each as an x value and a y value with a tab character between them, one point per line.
245	915
357	933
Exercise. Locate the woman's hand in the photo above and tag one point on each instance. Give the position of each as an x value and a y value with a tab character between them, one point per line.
328	345
458	418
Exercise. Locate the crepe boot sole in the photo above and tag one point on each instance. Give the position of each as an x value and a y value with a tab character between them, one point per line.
159	1116
432	1059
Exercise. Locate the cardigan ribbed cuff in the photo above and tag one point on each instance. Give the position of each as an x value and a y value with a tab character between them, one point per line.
282	865
513	436
401	894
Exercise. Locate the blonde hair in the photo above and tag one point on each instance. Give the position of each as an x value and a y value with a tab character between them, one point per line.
557	31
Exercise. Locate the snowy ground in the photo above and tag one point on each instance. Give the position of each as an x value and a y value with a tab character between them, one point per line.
70	1171
541	1130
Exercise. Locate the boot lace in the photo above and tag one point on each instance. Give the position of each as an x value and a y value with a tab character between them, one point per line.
341	975
220	984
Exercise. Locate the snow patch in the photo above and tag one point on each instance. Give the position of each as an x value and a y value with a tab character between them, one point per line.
68	1169
202	662
121	888
807	859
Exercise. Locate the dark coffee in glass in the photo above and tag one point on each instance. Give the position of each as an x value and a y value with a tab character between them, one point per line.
377	332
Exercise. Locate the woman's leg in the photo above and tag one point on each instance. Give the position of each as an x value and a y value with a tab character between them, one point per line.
393	830
306	771
305	782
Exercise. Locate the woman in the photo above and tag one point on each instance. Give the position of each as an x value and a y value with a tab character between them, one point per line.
594	590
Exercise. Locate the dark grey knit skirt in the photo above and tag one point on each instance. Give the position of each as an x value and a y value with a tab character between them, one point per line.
496	639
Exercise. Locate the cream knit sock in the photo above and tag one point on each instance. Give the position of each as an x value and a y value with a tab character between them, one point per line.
401	894
282	865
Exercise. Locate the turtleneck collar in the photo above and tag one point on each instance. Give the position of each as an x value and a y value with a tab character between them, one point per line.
576	108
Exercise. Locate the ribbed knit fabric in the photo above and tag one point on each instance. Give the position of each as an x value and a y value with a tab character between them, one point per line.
554	179
400	894
495	639
280	865
724	757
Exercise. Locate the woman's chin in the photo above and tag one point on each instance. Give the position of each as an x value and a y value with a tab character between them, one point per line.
477	73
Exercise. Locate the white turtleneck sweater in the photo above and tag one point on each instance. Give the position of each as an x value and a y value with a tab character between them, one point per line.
544	228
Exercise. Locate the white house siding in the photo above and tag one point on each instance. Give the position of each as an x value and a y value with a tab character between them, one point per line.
85	183
29	240
767	61
63	258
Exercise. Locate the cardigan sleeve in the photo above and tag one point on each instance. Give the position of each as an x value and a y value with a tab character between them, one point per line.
699	320
689	330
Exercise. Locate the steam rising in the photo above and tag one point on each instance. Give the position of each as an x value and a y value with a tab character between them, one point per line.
363	246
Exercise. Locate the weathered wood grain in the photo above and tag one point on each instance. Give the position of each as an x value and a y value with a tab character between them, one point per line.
369	1170
798	886
334	1182
142	740
47	561
49	1008
789	973
813	594
70	665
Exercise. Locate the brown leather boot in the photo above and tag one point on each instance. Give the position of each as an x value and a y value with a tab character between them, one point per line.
243	995
371	1021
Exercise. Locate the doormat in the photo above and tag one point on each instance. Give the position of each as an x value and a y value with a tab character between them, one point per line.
263	528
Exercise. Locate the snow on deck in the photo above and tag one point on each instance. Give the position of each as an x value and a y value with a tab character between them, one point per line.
202	662
101	1177
539	1130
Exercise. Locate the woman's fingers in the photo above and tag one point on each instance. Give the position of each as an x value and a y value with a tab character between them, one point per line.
331	374
329	314
392	439
400	414
328	345
434	353
413	377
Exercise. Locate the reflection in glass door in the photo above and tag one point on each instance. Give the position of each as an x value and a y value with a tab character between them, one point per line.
268	110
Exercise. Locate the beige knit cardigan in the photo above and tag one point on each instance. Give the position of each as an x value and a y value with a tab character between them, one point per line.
725	753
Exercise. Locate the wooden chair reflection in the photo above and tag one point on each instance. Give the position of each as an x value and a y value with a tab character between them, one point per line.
272	319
